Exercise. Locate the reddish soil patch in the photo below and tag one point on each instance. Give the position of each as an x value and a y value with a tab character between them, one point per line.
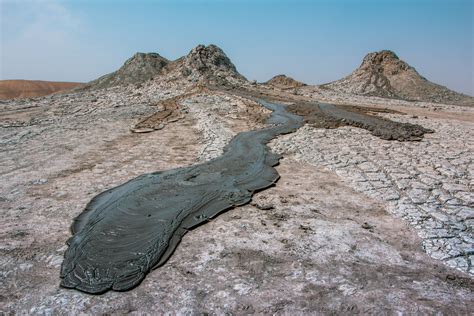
14	89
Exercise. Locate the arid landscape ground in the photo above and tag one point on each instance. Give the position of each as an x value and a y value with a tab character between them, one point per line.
20	89
358	223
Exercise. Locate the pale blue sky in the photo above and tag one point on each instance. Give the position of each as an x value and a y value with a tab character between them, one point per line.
313	41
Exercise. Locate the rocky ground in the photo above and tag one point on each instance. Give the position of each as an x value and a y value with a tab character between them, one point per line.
356	224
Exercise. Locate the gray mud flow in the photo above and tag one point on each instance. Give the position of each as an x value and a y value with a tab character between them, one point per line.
128	230
383	128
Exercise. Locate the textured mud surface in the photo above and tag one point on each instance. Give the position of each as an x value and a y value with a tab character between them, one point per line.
126	231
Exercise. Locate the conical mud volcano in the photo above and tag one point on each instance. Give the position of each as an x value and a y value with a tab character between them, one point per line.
383	74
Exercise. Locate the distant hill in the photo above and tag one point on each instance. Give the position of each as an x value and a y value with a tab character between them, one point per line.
13	89
284	82
383	74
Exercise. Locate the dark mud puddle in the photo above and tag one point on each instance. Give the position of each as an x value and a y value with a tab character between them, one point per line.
126	231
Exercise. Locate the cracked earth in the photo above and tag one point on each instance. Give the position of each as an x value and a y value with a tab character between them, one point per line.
427	183
355	224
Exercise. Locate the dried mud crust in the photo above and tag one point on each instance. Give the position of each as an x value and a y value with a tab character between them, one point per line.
332	116
224	105
428	183
168	114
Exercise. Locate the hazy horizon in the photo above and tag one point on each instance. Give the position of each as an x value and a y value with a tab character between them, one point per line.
312	41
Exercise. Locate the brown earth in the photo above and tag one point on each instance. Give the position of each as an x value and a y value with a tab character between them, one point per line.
15	89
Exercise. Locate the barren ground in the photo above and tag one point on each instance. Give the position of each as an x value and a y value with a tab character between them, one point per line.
11	89
321	240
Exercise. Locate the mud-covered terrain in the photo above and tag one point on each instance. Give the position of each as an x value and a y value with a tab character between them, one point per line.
355	224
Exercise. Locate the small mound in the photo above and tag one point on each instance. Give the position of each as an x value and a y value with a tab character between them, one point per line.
284	82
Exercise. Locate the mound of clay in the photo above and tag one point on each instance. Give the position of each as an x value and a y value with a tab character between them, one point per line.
383	74
208	64
284	82
13	89
203	64
137	69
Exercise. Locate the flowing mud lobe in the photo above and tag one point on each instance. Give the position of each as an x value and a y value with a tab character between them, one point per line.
385	129
331	116
126	231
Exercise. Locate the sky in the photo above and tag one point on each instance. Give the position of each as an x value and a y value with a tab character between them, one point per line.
314	41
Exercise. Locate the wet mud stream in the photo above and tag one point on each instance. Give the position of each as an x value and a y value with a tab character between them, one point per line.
125	232
383	128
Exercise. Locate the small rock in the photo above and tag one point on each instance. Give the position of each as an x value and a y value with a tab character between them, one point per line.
39	181
264	207
367	226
